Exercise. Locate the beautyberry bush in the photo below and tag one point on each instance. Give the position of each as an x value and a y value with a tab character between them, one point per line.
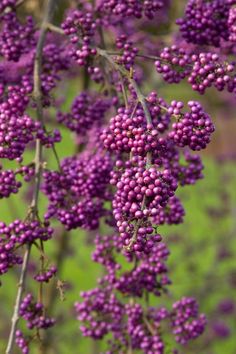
132	152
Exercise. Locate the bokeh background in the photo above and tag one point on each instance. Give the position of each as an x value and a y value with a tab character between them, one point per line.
202	262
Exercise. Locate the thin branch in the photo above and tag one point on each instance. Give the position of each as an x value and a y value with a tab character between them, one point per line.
19	3
124	92
54	28
21	286
140	96
56	157
33	213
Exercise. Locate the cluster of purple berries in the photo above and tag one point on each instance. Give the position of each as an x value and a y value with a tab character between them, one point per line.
102	311
150	273
186	168
202	70
102	302
22	232
134	8
19	233
186	323
172	213
8	258
209	70
77	193
140	192
22	342
16	38
86	111
205	22
8	183
16	128
46	276
129	52
174	64
193	128
32	312
129	131
80	26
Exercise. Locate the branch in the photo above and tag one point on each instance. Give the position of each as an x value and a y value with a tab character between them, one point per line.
33	212
141	98
19	3
21	286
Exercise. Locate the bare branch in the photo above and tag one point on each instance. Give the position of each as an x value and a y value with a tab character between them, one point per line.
21	286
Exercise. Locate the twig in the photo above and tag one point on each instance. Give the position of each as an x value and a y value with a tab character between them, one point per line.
140	96
53	28
33	213
21	286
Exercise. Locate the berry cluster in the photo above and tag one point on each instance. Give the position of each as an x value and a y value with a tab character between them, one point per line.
172	213
174	64
80	27
96	74
129	131
143	334
8	183
186	168
32	312
186	322
46	276
102	310
140	192
205	22
77	193
19	233
134	8
150	273
16	128
8	258
193	128
21	342
129	52
22	232
16	39
86	111
208	70
104	303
